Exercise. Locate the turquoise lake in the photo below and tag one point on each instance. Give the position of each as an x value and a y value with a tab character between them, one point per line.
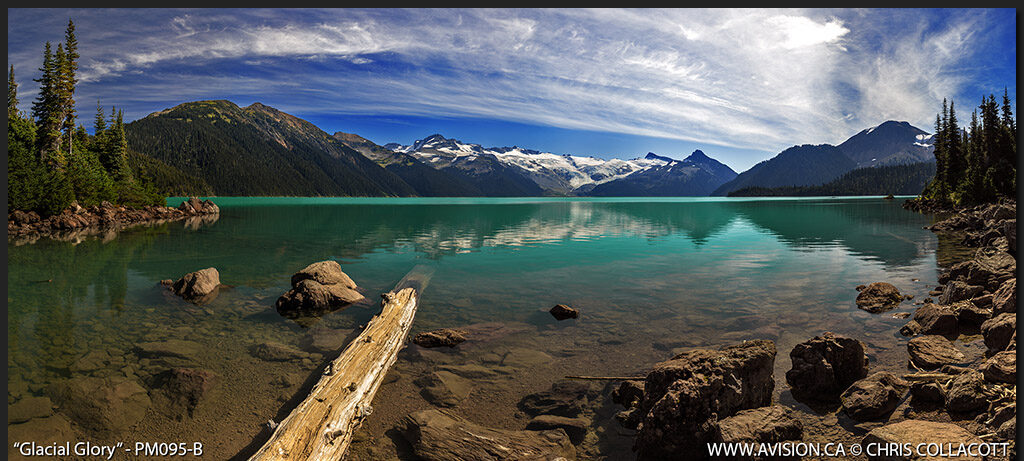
649	277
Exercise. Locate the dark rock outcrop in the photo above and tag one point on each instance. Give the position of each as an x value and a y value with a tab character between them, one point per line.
966	393
433	434
685	396
76	221
826	365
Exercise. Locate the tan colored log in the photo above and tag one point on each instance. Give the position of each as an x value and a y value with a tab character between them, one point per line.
321	427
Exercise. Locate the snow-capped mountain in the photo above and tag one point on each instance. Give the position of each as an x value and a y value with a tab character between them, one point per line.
559	174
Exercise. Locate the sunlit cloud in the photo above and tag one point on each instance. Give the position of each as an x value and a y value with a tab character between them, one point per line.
751	79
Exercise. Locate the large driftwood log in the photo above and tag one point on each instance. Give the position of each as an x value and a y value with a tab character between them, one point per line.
321	427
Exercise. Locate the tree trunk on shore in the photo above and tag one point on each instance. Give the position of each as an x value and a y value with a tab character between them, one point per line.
321	427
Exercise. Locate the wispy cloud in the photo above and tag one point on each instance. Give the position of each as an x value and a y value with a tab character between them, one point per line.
751	79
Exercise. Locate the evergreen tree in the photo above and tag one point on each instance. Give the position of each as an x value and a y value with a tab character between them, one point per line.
44	110
69	79
12	94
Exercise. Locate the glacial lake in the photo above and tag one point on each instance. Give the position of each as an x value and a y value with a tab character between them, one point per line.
650	277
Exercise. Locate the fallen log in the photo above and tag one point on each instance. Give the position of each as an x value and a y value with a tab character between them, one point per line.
321	427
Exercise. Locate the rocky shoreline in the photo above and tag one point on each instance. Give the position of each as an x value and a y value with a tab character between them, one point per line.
106	219
703	396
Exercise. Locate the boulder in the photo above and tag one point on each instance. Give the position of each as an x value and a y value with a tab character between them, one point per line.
435	435
562	312
766	425
935	319
444	337
826	365
197	285
564	398
878	297
933	351
318	288
1004	300
1001	367
958	291
575	428
910	433
112	404
927	392
970	313
685	396
966	393
998	331
874	397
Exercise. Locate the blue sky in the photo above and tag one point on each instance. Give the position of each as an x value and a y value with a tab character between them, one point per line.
741	85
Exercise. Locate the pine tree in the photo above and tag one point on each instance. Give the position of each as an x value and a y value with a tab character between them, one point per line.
956	165
45	111
69	79
99	123
12	94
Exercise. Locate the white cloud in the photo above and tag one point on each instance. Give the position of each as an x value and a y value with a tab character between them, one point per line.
753	79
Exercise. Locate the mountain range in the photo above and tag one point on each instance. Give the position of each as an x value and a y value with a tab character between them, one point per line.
259	150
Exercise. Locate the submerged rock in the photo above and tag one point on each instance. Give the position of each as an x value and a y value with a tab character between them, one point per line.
444	388
186	387
575	428
197	286
933	351
29	408
562	312
874	397
878	297
826	365
685	396
564	398
318	288
446	337
102	404
435	435
276	352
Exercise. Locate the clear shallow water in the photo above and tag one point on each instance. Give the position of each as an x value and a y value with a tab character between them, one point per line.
649	276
